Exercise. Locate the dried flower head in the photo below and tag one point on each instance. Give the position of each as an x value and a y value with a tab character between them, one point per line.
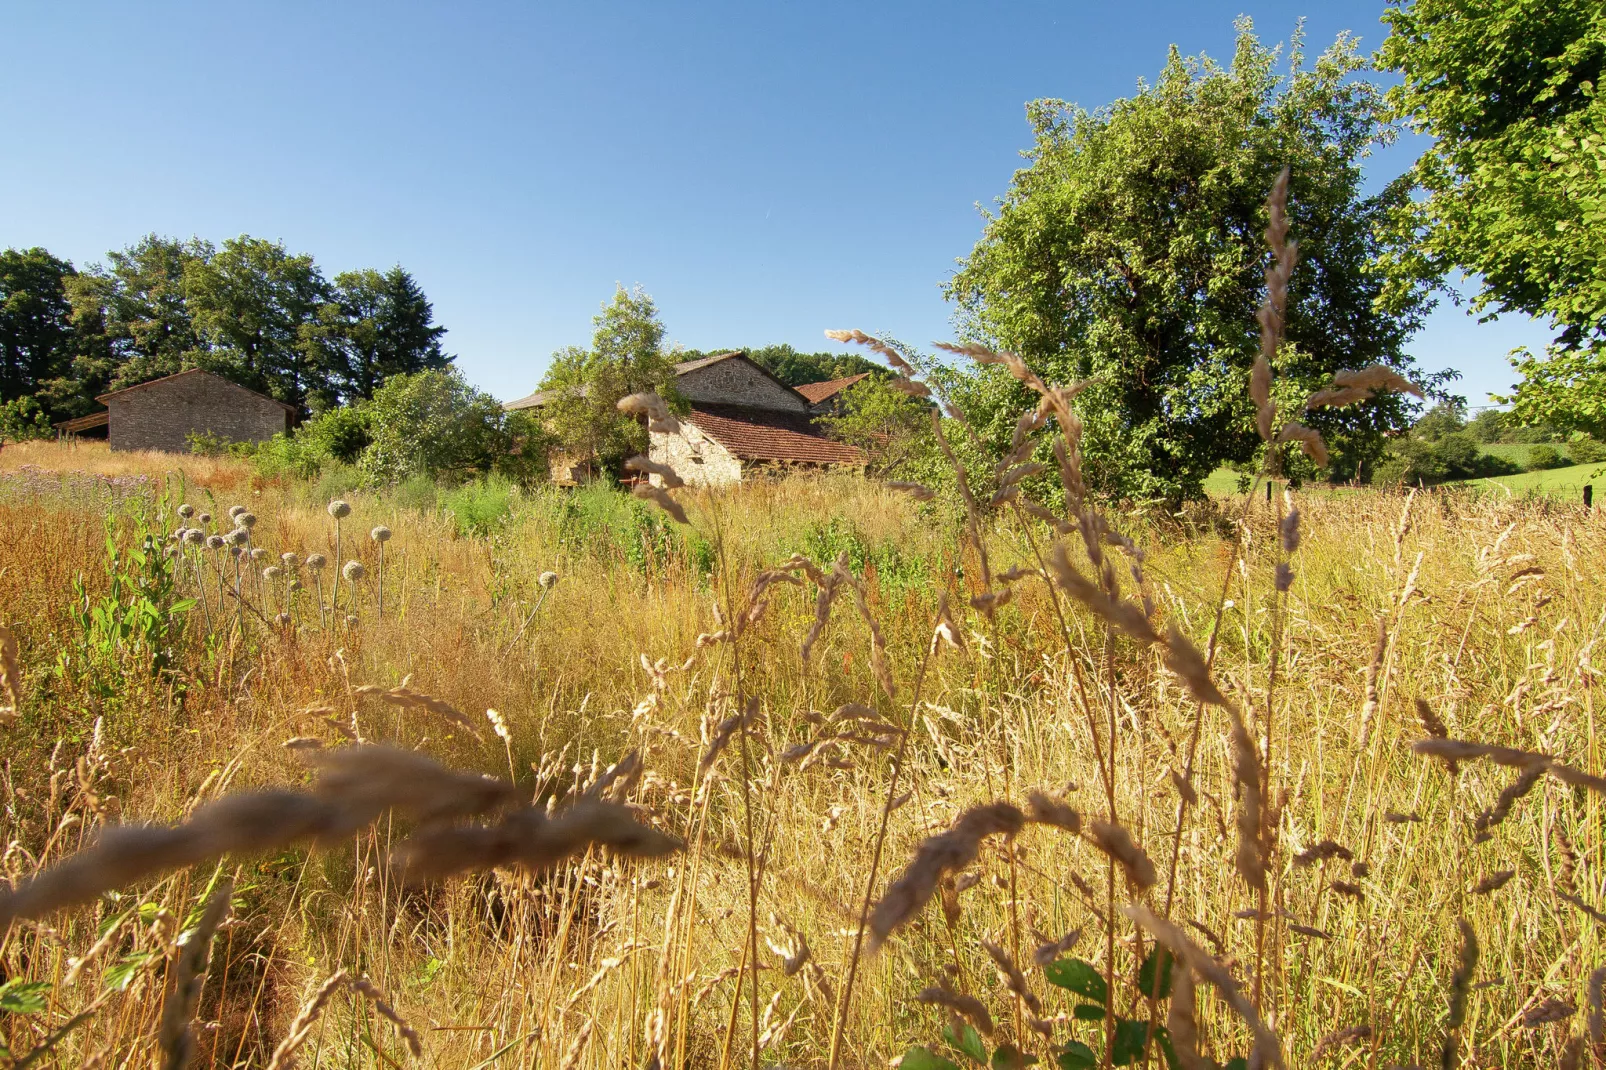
380	534
214	542
258	553
205	518
339	509
238	537
272	572
235	511
548	580
186	511
246	520
195	537
353	571
316	561
290	560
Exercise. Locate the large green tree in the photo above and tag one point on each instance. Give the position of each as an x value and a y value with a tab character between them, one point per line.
1510	90
1129	254
255	306
378	324
36	331
627	356
434	423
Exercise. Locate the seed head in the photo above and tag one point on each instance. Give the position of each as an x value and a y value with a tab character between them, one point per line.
238	537
258	553
353	571
316	561
214	542
548	580
380	534
205	518
246	520
235	511
194	536
272	572
186	510
290	560
339	509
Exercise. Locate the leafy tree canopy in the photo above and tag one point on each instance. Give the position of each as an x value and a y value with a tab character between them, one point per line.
1129	254
434	423
627	356
1516	177
36	333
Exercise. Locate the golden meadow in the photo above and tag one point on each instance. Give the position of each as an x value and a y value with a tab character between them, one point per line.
1485	611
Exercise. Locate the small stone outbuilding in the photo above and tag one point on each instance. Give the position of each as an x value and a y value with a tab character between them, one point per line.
164	414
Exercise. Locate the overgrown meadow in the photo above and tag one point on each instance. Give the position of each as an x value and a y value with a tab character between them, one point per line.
656	675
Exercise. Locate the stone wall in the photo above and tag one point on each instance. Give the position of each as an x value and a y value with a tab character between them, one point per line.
736	381
695	457
164	414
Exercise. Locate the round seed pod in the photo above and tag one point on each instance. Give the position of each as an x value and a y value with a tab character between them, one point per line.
205	518
290	560
214	542
353	571
380	534
258	553
246	520
316	561
295	585
339	509
548	580
195	537
235	511
272	572
238	537
186	510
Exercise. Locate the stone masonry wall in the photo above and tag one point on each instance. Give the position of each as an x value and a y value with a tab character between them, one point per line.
164	415
736	382
696	458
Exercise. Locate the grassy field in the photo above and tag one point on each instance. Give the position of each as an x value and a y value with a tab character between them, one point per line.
701	908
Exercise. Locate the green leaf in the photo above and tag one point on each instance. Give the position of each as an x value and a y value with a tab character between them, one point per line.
1079	977
923	1059
1088	1012
24	997
1077	1056
967	1041
1161	957
1168	1049
120	974
1129	1037
1009	1057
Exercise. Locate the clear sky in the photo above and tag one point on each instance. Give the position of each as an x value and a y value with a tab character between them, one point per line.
765	169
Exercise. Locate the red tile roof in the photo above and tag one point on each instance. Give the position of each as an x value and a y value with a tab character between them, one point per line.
818	392
755	435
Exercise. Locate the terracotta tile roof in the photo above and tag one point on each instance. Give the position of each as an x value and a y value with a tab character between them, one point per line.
84	423
818	392
757	435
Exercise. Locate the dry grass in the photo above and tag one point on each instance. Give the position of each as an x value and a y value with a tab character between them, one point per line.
1488	614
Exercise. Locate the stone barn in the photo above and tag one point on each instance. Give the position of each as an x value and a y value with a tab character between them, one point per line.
163	413
743	421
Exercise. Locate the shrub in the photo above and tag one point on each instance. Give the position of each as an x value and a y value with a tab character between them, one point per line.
1542	457
23	419
1488	426
480	507
418	492
1587	450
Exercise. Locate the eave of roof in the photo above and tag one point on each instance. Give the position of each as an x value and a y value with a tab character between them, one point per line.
83	423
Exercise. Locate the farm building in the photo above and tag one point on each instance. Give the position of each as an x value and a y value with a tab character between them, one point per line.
743	421
164	413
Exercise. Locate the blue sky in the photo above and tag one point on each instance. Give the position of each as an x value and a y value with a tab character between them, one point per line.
766	170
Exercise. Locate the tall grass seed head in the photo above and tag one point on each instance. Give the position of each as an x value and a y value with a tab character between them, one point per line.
339	509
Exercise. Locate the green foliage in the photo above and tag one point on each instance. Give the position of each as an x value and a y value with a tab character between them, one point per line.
1488	426
626	357
1541	458
136	623
22	419
892	428
433	423
924	1059
601	520
1586	450
376	325
1444	418
893	566
966	1040
417	492
480	507
1075	975
24	997
36	333
1129	254
1516	175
